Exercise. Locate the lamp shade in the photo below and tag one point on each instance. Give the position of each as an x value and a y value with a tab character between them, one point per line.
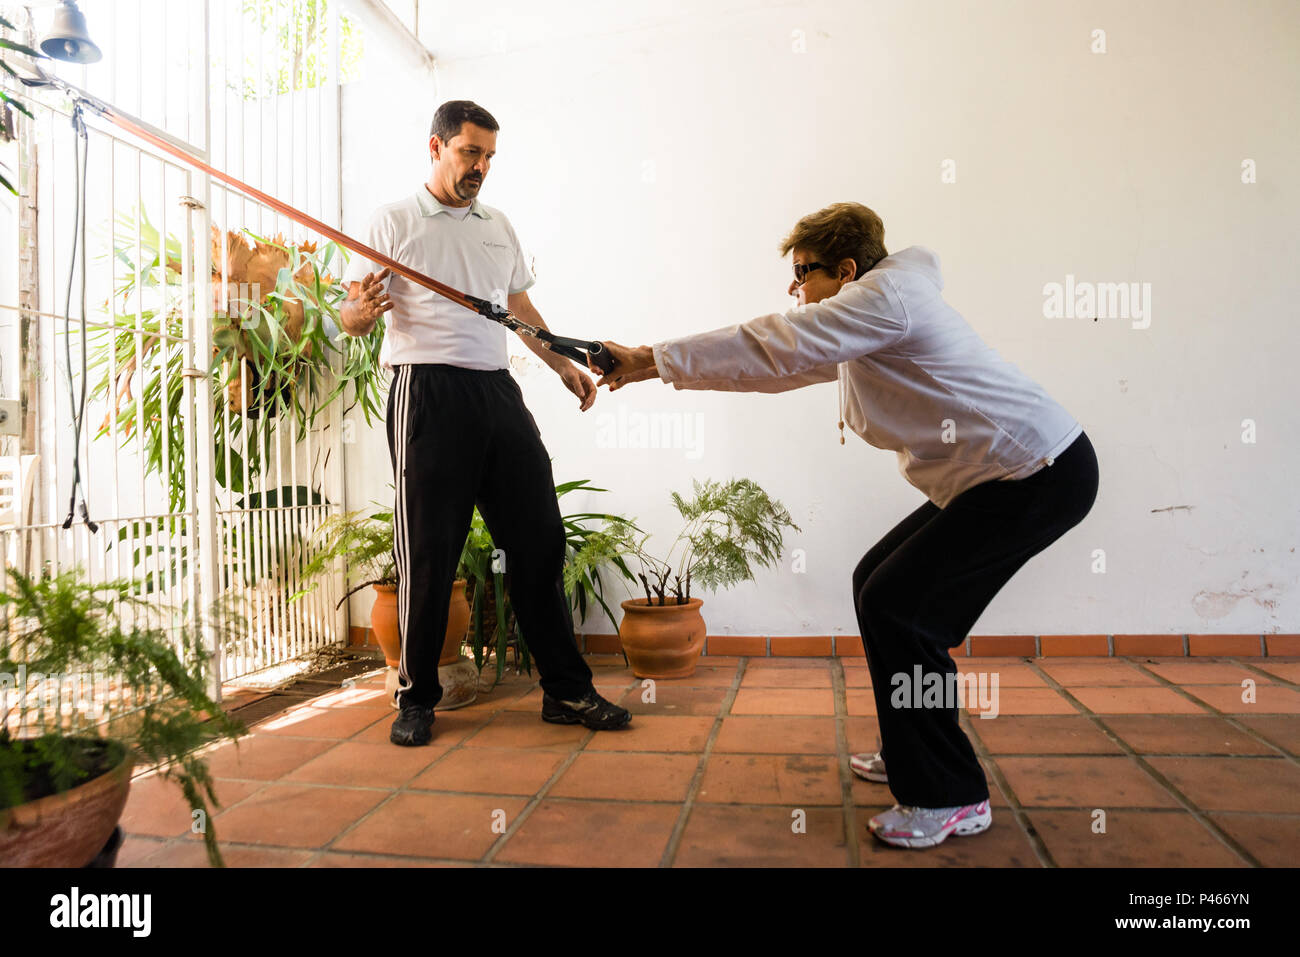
68	39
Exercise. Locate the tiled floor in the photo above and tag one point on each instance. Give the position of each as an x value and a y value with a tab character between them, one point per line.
1119	762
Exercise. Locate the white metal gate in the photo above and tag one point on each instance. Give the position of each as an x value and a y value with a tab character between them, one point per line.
195	498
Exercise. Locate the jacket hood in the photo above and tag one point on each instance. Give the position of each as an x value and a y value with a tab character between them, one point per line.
920	260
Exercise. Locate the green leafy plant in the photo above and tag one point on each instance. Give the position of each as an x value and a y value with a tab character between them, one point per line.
364	542
479	565
6	100
730	529
62	626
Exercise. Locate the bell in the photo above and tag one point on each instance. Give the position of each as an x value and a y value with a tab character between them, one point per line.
67	39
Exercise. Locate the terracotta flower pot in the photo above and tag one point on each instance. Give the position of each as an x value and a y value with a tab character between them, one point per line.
662	641
383	622
68	829
457	624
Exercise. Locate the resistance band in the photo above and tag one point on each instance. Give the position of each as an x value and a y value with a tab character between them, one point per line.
575	349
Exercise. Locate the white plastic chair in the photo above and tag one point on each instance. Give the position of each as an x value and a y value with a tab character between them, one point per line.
17	480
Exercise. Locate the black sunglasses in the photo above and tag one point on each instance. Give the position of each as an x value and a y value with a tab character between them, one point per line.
801	271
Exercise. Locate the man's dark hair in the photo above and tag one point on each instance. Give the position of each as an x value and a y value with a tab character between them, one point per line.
454	114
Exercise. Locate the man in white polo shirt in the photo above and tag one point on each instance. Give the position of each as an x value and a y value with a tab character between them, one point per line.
459	433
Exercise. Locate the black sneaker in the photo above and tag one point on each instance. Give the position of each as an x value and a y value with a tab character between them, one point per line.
593	711
413	727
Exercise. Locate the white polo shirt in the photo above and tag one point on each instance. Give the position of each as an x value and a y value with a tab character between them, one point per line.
478	254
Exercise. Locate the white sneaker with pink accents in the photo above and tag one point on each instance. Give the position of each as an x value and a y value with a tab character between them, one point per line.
904	826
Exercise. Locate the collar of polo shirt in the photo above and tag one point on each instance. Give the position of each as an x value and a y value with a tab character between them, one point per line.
431	207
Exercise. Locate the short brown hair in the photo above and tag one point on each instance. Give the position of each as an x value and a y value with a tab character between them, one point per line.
840	231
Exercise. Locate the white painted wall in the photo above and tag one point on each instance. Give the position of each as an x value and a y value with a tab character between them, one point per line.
653	154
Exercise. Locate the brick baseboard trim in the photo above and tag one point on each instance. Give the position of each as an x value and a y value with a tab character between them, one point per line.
995	646
981	646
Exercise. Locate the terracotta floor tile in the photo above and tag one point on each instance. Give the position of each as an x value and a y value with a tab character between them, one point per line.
877	794
490	771
1269	699
1009	676
1273	840
1287	670
610	687
1043	734
1208	672
1110	672
1135	701
605	662
513	729
1282	730
1004	844
782	662
1256	785
718	836
264	757
1103	782
801	677
1028	701
857	678
769	701
137	848
592	834
706	676
501	697
363	764
156	807
862	734
860	702
675	700
336	722
1182	734
776	735
427	824
1131	839
357	694
295	815
338	859
193	853
653	732
771	779
627	776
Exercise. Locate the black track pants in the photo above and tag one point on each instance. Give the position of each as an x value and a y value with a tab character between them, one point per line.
923	586
460	437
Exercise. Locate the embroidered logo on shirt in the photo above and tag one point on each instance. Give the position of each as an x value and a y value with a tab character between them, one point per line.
488	242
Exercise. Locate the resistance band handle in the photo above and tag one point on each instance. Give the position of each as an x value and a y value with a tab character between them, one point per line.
576	350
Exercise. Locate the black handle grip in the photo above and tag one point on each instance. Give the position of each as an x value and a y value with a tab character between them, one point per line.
600	357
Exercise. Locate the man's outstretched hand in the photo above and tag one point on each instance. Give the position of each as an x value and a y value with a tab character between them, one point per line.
631	364
579	383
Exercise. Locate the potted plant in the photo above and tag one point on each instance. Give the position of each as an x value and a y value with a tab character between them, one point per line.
493	628
730	528
366	544
65	770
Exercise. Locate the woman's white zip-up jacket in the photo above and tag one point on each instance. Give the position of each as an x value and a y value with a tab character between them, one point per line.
915	377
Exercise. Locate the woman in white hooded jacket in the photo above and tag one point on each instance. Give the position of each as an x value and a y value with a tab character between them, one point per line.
1006	469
